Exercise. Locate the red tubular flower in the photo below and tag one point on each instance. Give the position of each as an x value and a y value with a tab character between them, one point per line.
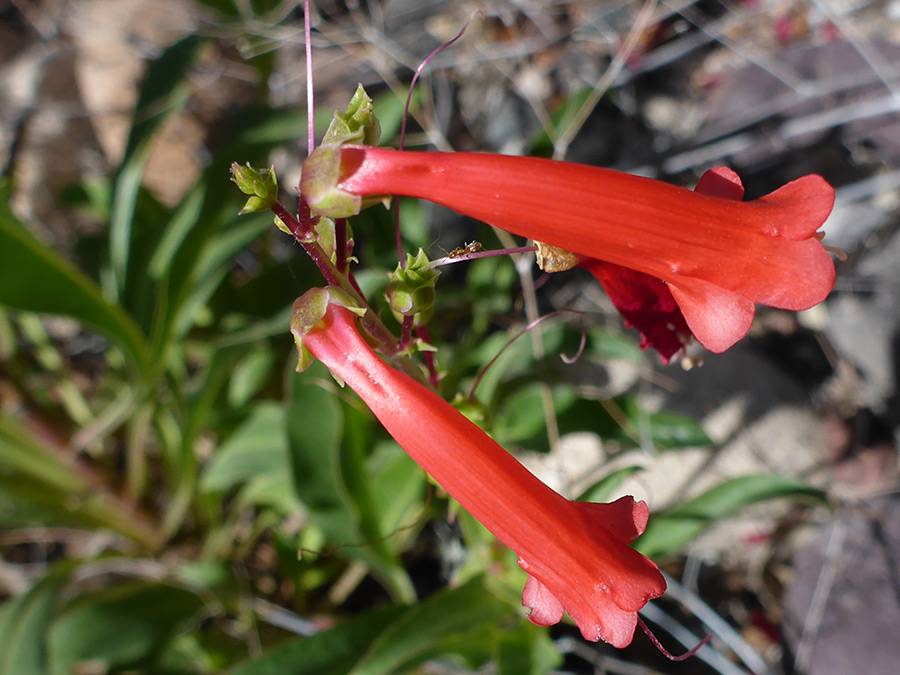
717	255
575	553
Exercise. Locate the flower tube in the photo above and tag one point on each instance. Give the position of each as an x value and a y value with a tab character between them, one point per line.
717	255
576	554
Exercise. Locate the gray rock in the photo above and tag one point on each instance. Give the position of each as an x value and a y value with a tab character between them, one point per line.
843	608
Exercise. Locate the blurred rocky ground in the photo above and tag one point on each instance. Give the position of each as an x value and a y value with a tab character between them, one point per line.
772	88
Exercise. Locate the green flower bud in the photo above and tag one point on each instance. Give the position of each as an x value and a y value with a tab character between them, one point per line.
357	125
260	184
410	291
474	409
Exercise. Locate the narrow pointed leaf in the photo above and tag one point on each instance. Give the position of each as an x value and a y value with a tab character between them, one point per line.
35	278
24	622
669	531
163	91
118	627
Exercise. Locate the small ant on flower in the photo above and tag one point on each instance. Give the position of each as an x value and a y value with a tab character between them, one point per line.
460	251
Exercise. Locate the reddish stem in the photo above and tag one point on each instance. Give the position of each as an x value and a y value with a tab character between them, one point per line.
412	86
340	244
433	379
303	233
464	257
406	332
352	280
310	103
656	643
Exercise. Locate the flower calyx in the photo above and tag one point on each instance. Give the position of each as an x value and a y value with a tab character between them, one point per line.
309	312
410	290
260	184
322	169
318	184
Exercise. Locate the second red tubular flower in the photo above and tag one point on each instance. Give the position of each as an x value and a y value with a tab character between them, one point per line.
576	553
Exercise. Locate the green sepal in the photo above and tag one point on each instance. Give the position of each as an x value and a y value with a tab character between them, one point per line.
410	291
357	125
260	184
309	310
318	184
279	223
417	346
324	229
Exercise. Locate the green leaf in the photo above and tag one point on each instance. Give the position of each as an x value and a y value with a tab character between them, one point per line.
36	279
201	404
445	622
255	459
623	419
605	345
673	430
250	374
520	419
389	110
328	446
334	651
272	491
24	623
8	342
180	223
393	640
604	488
513	359
527	650
668	531
118	627
397	487
163	91
23	454
256	447
210	268
270	292
314	426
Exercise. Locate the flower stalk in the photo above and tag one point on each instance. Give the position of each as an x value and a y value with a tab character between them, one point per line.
303	231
